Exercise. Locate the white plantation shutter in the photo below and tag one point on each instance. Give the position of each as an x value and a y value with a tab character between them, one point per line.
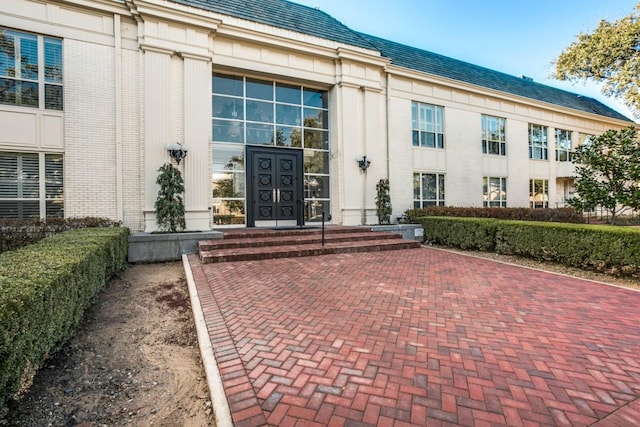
20	176
53	171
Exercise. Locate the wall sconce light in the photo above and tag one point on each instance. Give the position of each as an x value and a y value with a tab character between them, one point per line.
177	151
363	163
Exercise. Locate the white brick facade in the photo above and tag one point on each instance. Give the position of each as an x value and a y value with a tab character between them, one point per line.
138	77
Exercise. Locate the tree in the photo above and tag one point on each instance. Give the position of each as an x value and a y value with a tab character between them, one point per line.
169	204
383	202
609	55
608	172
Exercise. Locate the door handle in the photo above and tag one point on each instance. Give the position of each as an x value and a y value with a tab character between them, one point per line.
274	195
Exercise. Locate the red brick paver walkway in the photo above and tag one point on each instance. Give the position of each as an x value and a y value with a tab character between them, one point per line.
419	337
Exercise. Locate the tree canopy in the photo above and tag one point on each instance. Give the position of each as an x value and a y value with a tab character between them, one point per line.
608	172
609	55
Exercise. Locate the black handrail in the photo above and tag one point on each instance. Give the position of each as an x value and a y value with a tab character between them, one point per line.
328	219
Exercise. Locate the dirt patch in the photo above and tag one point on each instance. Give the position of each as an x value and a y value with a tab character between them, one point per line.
134	361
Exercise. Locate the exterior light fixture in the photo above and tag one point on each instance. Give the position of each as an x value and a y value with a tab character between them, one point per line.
177	151
363	163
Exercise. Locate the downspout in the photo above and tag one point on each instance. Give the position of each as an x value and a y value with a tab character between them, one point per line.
117	33
388	79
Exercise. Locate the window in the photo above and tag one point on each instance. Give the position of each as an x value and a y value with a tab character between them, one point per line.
426	122
495	192
493	136
249	111
563	145
538	193
428	189
538	142
30	70
31	185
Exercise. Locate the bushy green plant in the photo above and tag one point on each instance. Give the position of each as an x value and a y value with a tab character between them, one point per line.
15	233
383	202
44	290
607	249
169	203
523	214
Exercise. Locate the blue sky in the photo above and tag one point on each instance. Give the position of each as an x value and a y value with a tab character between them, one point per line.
518	37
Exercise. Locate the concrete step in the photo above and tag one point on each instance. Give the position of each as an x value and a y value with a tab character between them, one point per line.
308	249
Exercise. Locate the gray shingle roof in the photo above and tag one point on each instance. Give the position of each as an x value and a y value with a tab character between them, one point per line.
306	20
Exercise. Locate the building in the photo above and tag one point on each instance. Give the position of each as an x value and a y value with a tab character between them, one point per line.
282	109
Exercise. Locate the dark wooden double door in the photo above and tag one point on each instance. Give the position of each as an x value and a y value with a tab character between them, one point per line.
275	187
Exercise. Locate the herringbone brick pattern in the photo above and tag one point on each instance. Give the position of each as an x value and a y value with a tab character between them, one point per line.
418	337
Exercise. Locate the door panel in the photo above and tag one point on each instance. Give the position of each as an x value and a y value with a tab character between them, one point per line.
276	187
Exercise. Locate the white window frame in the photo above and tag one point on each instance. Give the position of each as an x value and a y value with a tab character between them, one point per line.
538	142
427	119
494	198
49	181
48	71
494	141
539	199
564	145
419	191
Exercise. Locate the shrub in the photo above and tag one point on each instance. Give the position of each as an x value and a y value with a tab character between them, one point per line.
44	290
524	214
169	203
17	233
383	202
602	248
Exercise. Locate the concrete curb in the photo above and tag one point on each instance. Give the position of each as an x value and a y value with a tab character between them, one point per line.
219	401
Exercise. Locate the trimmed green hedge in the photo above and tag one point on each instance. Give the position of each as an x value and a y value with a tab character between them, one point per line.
603	248
44	290
522	214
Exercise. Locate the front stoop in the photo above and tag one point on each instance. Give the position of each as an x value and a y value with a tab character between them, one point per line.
254	244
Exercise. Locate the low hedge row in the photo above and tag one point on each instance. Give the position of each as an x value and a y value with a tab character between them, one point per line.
523	214
44	290
15	233
607	249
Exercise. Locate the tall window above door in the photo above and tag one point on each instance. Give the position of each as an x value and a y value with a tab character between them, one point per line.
30	70
493	135
427	125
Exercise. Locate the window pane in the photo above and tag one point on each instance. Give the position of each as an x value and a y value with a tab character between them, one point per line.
28	94
259	111
53	97
288	114
260	134
55	208
316	187
228	131
229	184
53	169
28	56
428	139
416	138
315	98
416	186
318	139
8	176
441	187
228	108
28	176
19	209
259	89
313	210
316	162
7	54
414	116
288	136
289	94
228	158
52	60
228	85
315	118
